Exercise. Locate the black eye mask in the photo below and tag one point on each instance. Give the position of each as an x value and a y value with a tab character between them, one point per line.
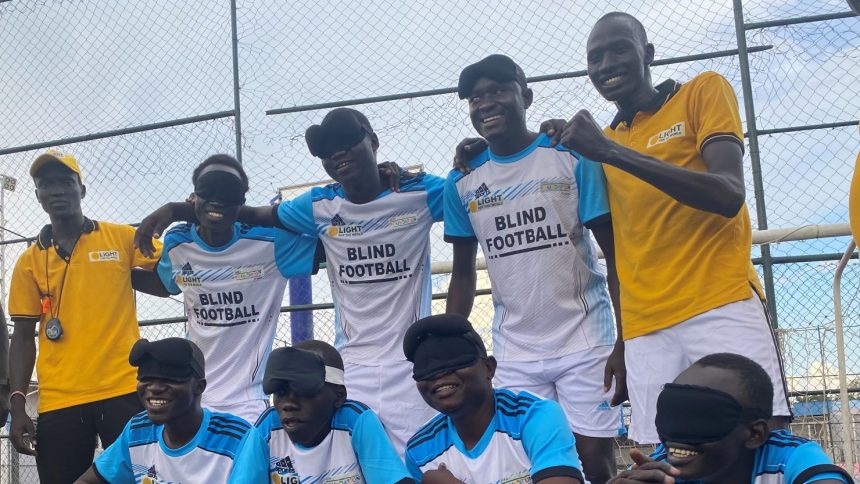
691	414
441	354
221	187
339	134
300	371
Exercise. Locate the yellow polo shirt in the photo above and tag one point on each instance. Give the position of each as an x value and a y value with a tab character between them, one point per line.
675	261
95	305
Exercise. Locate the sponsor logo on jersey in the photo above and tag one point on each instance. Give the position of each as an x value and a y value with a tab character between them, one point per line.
151	476
285	472
104	255
353	477
403	220
187	277
604	406
519	478
677	130
339	228
556	186
484	199
248	272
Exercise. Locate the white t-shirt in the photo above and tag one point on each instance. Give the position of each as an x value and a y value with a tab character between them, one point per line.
355	451
225	449
378	256
232	297
529	213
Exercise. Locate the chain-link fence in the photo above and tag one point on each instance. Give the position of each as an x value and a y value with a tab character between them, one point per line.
142	91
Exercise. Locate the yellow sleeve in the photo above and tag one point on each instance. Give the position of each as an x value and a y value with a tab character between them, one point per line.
715	114
854	201
136	258
25	297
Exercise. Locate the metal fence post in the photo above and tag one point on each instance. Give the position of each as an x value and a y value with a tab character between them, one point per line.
755	160
237	117
847	418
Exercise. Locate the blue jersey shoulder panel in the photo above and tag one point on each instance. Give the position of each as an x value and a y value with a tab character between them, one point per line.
225	434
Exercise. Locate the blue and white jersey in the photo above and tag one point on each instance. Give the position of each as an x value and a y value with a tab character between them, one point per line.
529	212
785	459
225	449
528	440
356	451
378	256
233	297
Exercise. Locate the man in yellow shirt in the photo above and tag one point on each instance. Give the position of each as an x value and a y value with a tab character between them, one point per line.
673	158
76	281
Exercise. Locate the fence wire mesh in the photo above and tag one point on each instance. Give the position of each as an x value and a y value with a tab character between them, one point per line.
83	67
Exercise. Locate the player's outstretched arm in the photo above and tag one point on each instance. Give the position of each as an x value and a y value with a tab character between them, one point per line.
91	477
154	224
147	282
615	366
719	189
464	279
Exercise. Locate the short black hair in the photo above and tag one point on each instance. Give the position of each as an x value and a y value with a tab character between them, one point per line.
756	383
222	159
637	25
329	354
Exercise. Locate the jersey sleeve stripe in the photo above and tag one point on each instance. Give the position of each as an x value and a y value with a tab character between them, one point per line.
721	137
819	469
228	426
430	427
226	433
557	471
233	420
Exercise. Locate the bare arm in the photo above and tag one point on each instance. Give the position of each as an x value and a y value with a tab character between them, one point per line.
615	365
91	477
464	279
719	189
147	282
559	480
22	359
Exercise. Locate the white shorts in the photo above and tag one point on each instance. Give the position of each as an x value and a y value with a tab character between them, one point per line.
574	381
391	392
249	410
658	358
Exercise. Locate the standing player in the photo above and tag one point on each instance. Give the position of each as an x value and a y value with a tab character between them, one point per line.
377	246
673	158
713	426
314	432
481	434
76	281
233	279
531	207
176	439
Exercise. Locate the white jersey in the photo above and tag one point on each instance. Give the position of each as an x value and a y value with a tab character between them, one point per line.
378	259
225	449
526	441
232	297
529	212
355	451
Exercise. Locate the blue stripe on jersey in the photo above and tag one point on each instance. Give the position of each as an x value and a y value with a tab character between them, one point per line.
328	192
346	417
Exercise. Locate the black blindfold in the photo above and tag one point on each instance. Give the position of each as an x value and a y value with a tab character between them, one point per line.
221	187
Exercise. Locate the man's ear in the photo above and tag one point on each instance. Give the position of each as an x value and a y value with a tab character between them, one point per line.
340	395
374	142
528	97
83	190
200	387
649	53
759	431
491	367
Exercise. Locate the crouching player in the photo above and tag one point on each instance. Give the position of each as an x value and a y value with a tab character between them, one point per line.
314	433
713	427
482	435
175	439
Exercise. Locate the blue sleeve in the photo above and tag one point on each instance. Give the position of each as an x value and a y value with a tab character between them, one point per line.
413	468
806	457
549	442
435	187
164	269
294	253
378	460
252	461
457	223
298	214
593	197
114	464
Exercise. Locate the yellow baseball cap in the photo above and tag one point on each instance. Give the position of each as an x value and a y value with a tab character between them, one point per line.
56	156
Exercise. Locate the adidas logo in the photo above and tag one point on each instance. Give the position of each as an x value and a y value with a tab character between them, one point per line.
151	472
604	405
336	220
284	466
482	191
187	269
